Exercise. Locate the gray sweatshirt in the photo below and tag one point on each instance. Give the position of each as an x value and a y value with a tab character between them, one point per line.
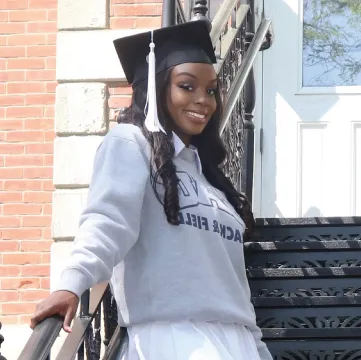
160	272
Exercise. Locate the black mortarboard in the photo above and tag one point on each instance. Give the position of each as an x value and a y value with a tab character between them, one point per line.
145	54
174	45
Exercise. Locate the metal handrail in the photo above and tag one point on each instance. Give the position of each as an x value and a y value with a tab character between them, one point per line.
42	339
221	18
44	335
244	70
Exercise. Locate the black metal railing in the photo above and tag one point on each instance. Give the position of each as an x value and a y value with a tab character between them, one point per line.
85	338
1	341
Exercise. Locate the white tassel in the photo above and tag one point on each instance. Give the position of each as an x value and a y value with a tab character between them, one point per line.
151	120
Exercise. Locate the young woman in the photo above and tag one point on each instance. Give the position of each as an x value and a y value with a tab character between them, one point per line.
162	221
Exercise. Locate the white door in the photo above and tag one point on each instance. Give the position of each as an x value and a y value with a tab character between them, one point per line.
311	110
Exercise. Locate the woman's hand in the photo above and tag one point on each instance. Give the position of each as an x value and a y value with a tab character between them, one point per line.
63	303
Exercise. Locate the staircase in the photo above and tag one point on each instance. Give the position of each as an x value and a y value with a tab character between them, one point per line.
304	273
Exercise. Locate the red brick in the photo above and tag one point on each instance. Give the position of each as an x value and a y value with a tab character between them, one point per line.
21	259
27	39
45	283
43	99
32	75
38	173
50	39
23	112
12	28
12	51
3	39
23	185
22	209
12	100
38	246
119	101
41	27
18	308
27	136
18	283
10	271
11	173
11	148
43	4
123	23
21	234
4	15
45	258
48	185
7	246
37	221
149	22
52	15
120	90
39	124
14	4
41	51
13	197
47	234
46	148
25	319
137	10
48	160
28	15
35	270
50	111
51	86
26	63
10	319
12	75
9	221
38	197
47	209
26	87
49	135
24	160
7	296
33	295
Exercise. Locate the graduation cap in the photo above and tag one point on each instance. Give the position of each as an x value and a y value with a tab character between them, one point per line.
146	54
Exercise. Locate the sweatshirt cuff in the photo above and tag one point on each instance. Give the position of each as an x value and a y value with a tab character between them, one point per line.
75	281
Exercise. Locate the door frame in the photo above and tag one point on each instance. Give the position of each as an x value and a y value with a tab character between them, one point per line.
258	119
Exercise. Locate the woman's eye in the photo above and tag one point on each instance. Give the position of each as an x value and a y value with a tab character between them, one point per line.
186	87
212	91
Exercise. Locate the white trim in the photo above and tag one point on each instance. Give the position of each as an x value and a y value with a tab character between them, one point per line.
300	47
354	126
258	119
329	90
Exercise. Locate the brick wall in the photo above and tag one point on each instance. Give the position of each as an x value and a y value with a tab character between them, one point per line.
27	87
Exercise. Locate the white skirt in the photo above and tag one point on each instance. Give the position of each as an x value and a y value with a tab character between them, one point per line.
190	341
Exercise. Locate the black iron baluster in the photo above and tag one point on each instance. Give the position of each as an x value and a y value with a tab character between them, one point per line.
84	312
1	341
200	10
110	316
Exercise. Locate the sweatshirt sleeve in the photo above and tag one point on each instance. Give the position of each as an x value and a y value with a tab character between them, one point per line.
110	222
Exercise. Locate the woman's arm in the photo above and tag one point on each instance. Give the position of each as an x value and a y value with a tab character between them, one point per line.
110	222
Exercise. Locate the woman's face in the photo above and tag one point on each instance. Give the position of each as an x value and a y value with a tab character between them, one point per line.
191	98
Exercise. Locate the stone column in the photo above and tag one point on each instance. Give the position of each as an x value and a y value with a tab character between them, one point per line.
86	65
